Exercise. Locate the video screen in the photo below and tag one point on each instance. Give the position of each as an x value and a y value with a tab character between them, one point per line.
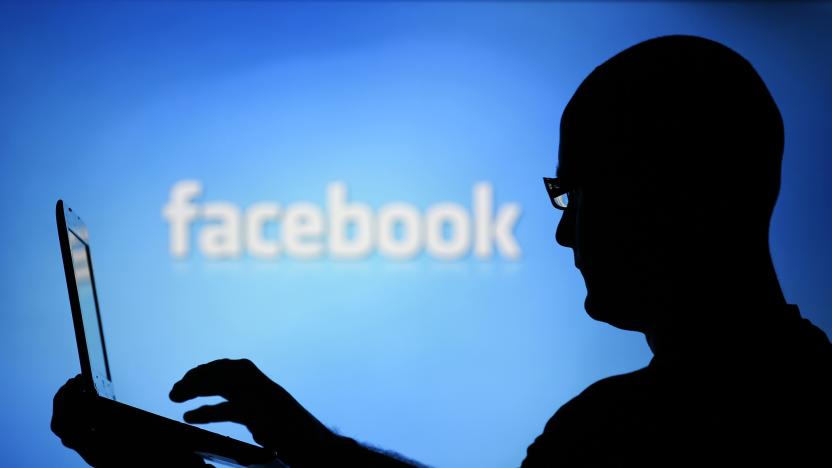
349	194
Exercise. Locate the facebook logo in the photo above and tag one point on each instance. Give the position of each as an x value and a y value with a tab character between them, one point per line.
341	230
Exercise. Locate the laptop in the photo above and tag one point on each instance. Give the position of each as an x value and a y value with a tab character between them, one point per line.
95	367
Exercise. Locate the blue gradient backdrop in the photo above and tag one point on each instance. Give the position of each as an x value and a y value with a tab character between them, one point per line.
457	363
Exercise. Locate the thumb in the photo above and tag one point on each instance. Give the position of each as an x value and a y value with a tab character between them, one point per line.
221	412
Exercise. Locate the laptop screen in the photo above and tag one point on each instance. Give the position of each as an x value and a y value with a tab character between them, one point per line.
88	300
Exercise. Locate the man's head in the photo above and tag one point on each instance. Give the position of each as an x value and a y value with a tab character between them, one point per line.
672	152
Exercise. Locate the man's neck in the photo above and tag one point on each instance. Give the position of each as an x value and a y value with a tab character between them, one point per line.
700	329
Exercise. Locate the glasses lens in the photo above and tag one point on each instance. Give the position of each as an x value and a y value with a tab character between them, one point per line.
562	200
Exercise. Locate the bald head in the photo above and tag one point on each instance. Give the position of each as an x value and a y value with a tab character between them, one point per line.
682	116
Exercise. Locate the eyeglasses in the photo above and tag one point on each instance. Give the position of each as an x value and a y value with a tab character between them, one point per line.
557	193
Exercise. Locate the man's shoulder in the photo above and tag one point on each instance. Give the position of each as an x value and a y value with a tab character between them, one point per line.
608	394
581	428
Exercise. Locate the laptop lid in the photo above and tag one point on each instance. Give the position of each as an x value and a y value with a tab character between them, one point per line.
83	298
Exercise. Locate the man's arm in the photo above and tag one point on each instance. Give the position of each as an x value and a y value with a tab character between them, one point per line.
353	452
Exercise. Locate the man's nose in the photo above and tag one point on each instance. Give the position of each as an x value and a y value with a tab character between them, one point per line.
565	233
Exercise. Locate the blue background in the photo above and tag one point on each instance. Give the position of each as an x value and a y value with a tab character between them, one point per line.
456	363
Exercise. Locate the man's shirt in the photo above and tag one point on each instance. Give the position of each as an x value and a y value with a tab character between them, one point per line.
763	397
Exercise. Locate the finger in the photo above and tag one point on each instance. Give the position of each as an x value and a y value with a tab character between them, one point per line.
72	386
224	377
68	405
221	412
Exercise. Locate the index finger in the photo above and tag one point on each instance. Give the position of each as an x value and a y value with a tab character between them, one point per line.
230	379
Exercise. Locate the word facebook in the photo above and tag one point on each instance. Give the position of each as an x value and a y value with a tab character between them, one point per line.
343	229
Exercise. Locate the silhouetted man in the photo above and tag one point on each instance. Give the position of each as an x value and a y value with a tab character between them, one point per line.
669	168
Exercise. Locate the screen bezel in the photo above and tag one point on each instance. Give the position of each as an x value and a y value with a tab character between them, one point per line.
68	221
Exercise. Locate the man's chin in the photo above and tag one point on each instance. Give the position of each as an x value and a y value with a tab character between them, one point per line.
619	315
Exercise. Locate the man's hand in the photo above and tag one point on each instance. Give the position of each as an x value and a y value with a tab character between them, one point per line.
275	419
76	421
